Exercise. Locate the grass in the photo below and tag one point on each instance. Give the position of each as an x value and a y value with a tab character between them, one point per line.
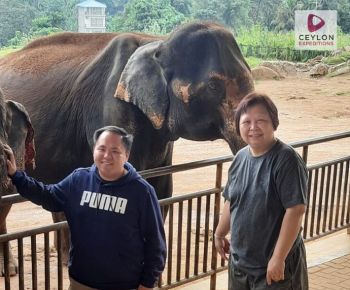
343	57
6	50
253	61
258	42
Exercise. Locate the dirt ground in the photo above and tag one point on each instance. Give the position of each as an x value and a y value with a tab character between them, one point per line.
308	108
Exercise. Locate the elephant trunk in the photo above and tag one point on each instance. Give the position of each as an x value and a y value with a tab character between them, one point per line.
236	90
228	129
234	141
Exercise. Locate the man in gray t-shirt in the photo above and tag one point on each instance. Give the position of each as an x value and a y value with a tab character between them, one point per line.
257	208
266	197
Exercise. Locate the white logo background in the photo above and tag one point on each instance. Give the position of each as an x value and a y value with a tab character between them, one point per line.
324	38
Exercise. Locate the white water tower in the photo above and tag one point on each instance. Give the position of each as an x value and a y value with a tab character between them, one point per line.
91	16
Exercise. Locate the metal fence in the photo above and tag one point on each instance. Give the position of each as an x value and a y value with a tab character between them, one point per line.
191	219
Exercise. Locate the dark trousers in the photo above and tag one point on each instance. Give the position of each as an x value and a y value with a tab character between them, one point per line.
74	285
295	276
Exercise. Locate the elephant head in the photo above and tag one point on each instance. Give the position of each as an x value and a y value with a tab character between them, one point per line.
16	131
189	83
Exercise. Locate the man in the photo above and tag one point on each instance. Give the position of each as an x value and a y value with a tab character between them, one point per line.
266	198
117	234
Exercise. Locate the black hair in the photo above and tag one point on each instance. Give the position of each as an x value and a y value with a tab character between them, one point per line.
127	138
253	99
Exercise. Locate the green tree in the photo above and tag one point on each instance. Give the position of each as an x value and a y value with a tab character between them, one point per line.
343	9
64	11
326	4
46	25
235	13
209	10
263	12
232	13
182	6
36	4
153	16
15	16
113	6
284	20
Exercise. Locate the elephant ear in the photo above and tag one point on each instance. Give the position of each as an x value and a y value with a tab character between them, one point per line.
143	84
17	121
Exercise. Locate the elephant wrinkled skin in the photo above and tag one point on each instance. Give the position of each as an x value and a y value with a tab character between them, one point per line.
17	132
158	88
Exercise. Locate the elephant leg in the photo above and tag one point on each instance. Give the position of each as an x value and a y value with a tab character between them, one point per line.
4	210
65	245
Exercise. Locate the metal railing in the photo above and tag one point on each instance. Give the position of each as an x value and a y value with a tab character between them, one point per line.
328	195
191	219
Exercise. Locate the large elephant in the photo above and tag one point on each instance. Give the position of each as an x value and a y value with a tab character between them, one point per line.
17	132
159	89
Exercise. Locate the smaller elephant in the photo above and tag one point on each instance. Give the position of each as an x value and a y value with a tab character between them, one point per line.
15	130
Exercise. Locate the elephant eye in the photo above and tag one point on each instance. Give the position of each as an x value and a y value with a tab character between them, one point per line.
157	54
213	85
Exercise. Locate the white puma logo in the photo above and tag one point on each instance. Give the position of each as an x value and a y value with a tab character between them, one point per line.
104	201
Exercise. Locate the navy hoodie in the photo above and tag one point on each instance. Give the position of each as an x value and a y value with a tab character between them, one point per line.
117	234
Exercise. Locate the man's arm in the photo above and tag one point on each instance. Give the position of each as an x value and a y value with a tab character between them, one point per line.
222	245
289	231
49	197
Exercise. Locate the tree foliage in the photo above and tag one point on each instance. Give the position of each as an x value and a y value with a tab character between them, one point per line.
182	6
9	24
154	16
343	9
25	19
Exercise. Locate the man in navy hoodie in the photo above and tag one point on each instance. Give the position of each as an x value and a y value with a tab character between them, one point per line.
117	234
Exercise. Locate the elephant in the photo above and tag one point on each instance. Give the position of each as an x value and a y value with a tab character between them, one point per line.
16	131
159	88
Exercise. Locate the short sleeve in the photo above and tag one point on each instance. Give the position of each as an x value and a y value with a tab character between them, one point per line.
291	180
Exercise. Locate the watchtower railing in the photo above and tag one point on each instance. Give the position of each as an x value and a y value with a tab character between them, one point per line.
191	219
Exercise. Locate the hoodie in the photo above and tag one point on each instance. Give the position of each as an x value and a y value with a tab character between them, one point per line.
117	234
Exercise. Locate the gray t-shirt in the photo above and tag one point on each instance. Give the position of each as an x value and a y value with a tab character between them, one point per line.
260	189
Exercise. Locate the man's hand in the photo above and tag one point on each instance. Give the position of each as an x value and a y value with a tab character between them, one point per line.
275	270
222	246
11	162
289	231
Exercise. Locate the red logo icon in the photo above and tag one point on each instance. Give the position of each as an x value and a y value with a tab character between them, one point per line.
310	22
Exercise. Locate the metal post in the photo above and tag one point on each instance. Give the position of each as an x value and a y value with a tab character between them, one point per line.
305	153
6	252
216	221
